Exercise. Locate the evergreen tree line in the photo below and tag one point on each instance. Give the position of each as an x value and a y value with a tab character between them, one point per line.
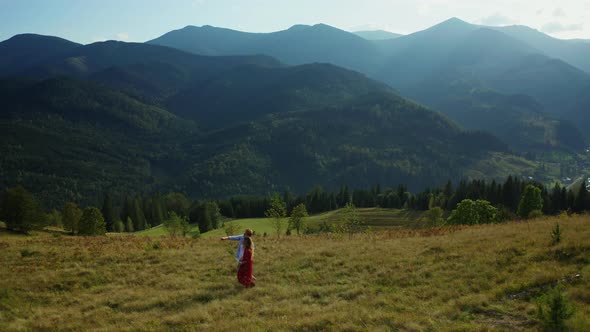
21	212
506	196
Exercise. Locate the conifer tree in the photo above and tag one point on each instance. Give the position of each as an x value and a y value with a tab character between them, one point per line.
129	225
582	200
108	212
71	217
136	214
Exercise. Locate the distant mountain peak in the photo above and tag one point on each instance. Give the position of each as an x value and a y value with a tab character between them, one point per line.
453	22
299	27
451	26
34	37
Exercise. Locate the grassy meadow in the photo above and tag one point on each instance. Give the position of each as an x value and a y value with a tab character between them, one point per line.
477	278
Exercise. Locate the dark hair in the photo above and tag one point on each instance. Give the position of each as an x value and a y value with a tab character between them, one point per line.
248	242
248	232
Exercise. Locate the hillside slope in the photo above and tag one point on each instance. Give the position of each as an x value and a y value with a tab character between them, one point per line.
487	277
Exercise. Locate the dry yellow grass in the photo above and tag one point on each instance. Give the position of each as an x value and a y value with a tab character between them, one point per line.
397	280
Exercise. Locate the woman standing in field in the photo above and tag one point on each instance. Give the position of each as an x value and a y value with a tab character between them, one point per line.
245	270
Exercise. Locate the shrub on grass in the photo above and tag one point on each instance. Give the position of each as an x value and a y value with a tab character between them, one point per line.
435	216
555	234
535	214
554	310
230	229
118	226
176	225
352	221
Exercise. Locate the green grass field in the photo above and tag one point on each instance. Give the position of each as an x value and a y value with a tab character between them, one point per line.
478	278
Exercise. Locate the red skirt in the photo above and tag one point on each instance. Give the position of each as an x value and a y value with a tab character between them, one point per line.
245	270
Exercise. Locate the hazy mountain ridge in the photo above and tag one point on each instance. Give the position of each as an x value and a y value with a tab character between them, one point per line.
299	44
575	52
455	49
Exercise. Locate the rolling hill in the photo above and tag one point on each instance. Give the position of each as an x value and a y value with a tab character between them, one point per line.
234	96
26	50
67	139
372	139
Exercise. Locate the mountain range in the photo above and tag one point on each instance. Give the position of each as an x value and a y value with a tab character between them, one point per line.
215	112
453	56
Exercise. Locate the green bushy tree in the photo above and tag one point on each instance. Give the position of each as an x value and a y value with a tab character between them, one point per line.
54	218
129	225
176	225
178	203
297	218
206	215
92	222
469	212
119	227
435	215
531	200
20	211
71	215
352	221
277	211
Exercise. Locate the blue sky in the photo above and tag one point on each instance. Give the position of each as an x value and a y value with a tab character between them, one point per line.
86	21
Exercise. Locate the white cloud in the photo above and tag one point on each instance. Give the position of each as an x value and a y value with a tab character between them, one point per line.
124	36
556	27
558	12
497	19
